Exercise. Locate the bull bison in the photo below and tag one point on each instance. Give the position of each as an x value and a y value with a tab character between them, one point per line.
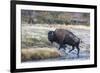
63	37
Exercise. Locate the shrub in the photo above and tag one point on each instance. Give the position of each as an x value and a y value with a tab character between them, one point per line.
39	54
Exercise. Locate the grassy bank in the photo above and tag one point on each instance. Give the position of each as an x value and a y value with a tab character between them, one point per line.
38	54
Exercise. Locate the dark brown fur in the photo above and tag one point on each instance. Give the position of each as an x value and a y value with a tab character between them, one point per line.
63	37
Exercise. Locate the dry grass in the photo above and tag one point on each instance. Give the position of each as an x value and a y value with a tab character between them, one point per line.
69	26
39	53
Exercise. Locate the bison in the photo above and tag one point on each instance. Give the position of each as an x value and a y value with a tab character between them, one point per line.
63	37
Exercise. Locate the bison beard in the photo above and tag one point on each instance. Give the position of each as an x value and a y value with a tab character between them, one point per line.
63	37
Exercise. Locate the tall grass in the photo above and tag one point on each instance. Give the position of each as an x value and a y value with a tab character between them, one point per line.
39	54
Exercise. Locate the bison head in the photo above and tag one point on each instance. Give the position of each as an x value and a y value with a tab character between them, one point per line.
51	36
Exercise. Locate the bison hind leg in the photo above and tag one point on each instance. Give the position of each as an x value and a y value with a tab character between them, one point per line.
72	49
78	50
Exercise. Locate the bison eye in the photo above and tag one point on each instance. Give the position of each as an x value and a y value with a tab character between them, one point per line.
51	33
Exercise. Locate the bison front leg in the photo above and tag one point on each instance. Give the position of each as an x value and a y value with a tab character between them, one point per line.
59	47
62	46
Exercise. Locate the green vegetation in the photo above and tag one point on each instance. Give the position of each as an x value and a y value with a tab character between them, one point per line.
53	17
